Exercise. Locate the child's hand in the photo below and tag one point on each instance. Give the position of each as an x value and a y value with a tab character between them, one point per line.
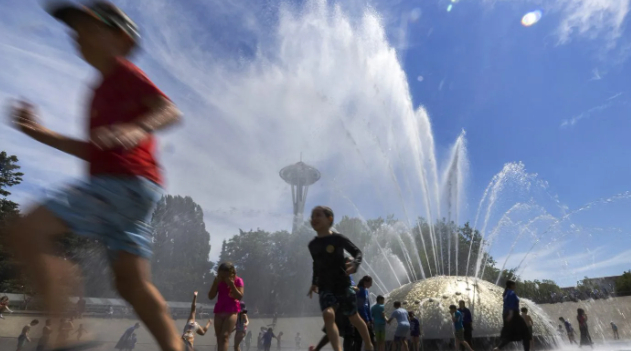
122	135
351	267
312	289
23	115
195	293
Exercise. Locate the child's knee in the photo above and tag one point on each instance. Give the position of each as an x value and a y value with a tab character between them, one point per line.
328	315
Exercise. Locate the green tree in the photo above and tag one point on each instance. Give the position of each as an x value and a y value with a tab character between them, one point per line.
10	279
623	284
181	248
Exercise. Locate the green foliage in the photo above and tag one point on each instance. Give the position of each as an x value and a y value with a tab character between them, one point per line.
10	279
545	291
181	245
623	284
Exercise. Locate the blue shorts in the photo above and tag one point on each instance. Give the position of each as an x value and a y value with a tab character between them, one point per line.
115	210
344	301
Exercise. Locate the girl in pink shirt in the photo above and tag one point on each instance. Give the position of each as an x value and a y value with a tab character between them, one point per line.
228	288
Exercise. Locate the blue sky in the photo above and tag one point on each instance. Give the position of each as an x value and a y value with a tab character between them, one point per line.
374	94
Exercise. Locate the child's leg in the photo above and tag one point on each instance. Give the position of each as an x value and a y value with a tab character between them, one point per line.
361	327
32	240
133	281
322	343
223	329
238	337
331	328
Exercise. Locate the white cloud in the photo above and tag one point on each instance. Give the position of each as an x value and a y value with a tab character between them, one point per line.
592	18
590	113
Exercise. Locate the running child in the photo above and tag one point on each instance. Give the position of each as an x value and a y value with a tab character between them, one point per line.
403	326
125	183
191	327
24	338
279	339
331	276
241	328
456	318
4	306
124	340
614	328
378	314
80	332
299	341
228	289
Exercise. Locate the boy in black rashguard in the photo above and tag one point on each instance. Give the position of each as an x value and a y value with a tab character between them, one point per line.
331	276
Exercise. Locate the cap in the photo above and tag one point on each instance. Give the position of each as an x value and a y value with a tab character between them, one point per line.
102	11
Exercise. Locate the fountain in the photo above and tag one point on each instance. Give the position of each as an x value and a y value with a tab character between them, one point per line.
430	300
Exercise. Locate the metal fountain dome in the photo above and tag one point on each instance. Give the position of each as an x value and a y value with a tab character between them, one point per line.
430	300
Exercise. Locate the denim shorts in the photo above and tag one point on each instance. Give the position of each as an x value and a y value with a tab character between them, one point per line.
115	210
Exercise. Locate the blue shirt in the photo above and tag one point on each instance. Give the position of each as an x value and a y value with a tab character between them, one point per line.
377	314
401	316
363	304
267	337
458	320
511	301
466	315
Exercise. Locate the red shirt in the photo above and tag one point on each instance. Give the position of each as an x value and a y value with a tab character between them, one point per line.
119	99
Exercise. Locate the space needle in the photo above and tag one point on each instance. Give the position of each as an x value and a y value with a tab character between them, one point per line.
299	176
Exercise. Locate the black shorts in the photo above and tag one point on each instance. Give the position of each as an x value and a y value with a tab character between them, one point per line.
344	301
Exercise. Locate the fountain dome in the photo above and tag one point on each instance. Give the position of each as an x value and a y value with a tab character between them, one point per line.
430	299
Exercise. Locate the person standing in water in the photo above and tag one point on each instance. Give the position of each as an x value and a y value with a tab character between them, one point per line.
457	318
363	308
125	183
586	339
24	337
228	289
267	339
298	342
331	276
467	322
192	327
403	326
415	331
569	330
614	328
378	314
515	328
42	344
241	328
279	339
248	340
529	323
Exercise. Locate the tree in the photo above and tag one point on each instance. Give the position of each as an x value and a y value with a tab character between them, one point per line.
10	279
181	248
623	284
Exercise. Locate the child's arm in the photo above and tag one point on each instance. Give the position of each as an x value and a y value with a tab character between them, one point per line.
25	120
161	113
202	331
355	252
246	322
235	291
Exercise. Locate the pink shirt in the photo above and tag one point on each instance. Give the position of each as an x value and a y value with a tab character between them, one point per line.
225	303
